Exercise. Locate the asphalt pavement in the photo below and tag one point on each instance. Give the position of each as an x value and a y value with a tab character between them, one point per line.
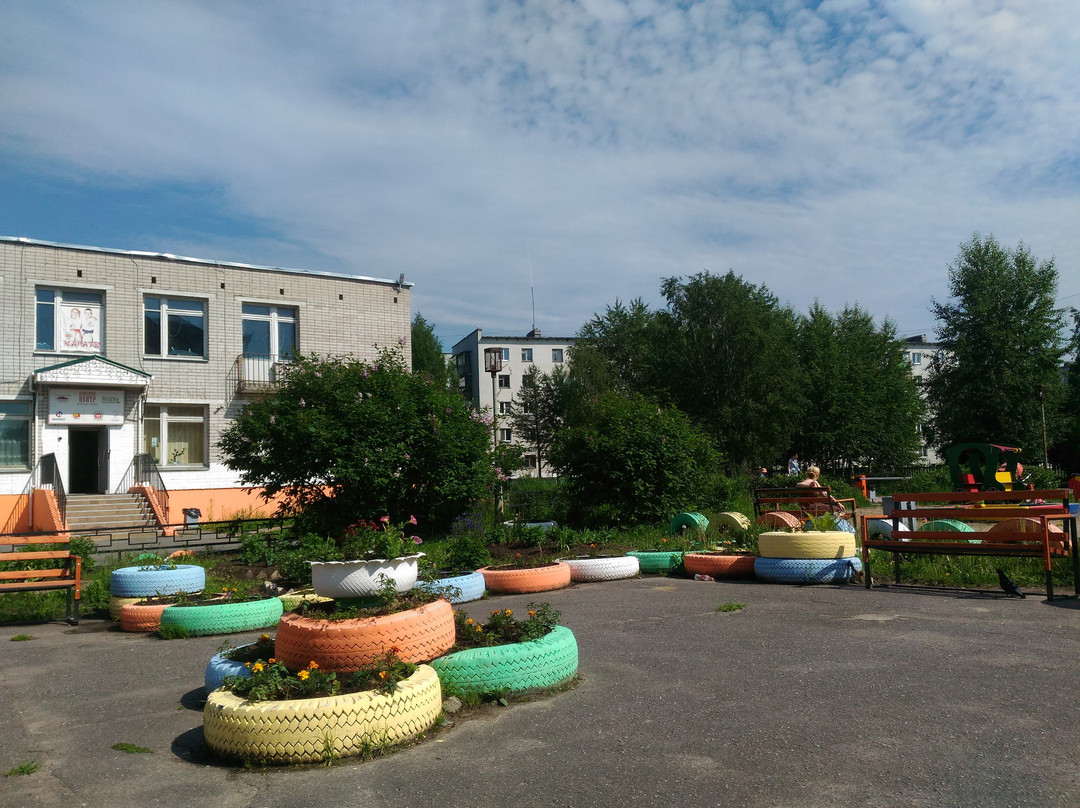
807	696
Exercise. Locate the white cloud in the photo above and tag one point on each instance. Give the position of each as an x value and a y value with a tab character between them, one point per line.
841	152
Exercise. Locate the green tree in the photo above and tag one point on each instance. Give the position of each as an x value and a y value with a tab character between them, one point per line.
633	462
535	417
342	440
1003	345
628	339
862	403
427	353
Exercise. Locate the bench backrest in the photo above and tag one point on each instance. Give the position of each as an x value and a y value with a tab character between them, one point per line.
811	500
62	568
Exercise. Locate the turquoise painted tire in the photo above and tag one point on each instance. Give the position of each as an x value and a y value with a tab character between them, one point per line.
947	525
219	667
806	570
657	562
688	521
516	668
470	586
224	618
138	582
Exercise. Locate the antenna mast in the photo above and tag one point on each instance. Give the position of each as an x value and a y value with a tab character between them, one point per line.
532	288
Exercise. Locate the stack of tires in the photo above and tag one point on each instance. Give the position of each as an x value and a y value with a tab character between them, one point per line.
129	585
813	557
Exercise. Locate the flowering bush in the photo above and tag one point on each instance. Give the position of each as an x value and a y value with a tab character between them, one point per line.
503	629
272	681
262	648
382	540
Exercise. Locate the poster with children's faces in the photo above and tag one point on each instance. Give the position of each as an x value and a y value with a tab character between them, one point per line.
80	328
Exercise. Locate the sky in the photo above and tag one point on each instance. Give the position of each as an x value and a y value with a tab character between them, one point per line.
568	153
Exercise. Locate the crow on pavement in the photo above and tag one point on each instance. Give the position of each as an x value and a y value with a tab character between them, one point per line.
1008	585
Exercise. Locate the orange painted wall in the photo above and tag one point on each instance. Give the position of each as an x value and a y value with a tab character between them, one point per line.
14	513
217	504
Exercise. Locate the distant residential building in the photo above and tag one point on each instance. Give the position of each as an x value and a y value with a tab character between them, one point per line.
918	352
518	355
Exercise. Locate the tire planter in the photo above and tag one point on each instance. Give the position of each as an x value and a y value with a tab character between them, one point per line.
137	582
306	730
947	524
219	667
819	544
779	520
224	617
116	604
884	529
688	521
517	667
720	565
144	617
657	562
807	570
362	578
470	586
1022	524
344	646
732	520
607	568
526	579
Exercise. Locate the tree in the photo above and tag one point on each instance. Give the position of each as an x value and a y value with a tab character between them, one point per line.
633	462
862	403
1002	341
535	417
342	440
427	353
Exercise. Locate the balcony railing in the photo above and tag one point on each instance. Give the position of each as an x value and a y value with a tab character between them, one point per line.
255	372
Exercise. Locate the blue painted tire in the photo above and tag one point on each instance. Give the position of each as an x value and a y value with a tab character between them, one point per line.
806	570
137	582
219	667
657	562
470	585
517	667
224	618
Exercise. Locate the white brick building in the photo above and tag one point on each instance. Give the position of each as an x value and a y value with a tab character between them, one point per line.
109	354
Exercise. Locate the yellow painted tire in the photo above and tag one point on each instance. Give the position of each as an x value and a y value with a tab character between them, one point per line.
818	544
309	730
732	520
116	604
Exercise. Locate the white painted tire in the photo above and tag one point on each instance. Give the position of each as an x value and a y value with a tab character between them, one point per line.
611	568
362	579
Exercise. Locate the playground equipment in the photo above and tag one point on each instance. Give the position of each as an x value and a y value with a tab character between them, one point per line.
985	467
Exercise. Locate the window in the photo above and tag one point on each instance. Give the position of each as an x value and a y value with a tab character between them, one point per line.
68	321
504	382
526	354
174	326
506	354
916	359
505	435
556	354
504	408
15	434
529	461
175	434
269	331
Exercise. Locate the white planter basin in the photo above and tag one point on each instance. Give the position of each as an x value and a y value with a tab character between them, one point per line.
361	579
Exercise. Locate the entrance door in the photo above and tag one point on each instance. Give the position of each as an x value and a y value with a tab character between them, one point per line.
88	461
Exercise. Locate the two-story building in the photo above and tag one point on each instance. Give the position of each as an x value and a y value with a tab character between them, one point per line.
120	369
499	392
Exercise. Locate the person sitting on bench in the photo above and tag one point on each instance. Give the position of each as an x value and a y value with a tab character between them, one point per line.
811	481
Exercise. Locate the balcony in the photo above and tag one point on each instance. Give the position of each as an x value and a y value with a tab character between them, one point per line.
258	372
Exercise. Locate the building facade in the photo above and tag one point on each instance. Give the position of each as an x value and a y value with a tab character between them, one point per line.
918	352
500	394
110	355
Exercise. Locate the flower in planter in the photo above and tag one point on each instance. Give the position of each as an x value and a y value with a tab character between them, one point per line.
383	540
270	680
503	629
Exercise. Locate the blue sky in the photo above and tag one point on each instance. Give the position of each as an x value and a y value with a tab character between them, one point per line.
839	150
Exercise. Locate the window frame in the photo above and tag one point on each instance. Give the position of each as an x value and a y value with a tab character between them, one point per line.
163	420
527	355
28	417
557	355
506	408
506	434
56	305
504	381
275	318
163	313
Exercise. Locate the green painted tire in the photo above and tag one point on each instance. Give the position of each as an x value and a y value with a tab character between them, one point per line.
224	618
688	521
657	562
516	668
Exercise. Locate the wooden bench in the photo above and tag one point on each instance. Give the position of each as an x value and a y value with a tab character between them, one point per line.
63	572
1023	528
805	502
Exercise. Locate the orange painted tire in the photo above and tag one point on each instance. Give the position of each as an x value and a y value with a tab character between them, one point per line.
526	579
139	617
344	646
720	565
1029	524
779	520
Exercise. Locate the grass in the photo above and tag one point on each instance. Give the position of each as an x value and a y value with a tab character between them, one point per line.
131	749
22	638
730	607
25	768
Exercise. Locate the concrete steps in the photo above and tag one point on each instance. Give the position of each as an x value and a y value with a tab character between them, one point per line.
86	512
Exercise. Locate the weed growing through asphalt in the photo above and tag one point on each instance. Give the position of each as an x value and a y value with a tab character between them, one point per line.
25	768
21	638
173	632
730	607
131	749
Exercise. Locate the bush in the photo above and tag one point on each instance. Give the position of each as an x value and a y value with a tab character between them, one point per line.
341	440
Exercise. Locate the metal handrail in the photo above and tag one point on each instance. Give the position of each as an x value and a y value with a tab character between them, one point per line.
49	474
143	470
